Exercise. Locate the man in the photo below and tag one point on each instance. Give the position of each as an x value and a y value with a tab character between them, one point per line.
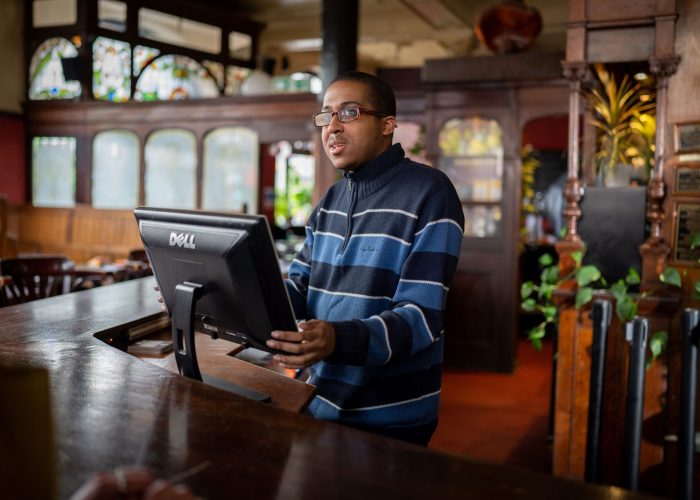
380	251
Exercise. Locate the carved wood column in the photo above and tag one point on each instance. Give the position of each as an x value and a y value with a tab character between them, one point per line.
577	73
655	250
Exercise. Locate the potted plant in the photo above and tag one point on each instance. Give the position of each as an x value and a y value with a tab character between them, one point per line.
622	114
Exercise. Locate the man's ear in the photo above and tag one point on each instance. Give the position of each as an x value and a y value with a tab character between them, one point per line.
389	125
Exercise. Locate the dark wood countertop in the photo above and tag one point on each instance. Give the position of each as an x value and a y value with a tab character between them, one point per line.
110	409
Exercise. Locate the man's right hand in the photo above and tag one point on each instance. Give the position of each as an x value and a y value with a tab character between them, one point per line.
160	298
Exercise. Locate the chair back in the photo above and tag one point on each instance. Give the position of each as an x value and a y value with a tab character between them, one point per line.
35	277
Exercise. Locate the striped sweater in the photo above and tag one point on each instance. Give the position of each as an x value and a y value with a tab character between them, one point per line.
380	251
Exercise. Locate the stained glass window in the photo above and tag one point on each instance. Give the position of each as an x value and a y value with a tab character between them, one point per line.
471	154
111	70
171	77
235	76
46	72
115	169
231	170
217	70
171	168
53	171
142	57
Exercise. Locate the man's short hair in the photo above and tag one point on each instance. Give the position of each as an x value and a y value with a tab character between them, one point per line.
381	95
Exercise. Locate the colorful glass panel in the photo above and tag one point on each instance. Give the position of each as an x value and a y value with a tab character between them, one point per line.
142	57
235	76
115	169
217	70
53	171
472	156
171	78
46	77
111	70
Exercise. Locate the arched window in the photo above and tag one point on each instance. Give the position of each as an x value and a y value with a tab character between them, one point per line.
115	169
46	78
171	169
471	154
230	179
111	70
53	171
171	77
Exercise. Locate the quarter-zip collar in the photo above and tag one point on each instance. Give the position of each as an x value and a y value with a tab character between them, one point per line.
367	179
371	176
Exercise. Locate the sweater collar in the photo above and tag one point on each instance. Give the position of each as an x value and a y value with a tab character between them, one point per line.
370	176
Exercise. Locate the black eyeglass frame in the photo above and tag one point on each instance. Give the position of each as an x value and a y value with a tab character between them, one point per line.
361	110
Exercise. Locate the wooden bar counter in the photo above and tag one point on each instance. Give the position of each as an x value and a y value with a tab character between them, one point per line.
111	409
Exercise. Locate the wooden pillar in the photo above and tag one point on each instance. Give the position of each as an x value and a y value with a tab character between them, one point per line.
339	23
655	249
577	73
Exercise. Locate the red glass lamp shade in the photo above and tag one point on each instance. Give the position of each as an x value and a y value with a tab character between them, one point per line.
509	27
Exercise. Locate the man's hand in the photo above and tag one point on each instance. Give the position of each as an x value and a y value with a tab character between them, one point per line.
160	298
315	342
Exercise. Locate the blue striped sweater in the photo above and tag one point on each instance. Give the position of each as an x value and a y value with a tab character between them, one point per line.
380	251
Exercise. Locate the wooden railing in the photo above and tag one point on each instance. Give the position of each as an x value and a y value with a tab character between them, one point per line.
80	233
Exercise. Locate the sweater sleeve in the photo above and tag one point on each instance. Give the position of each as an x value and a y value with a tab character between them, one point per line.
415	319
300	270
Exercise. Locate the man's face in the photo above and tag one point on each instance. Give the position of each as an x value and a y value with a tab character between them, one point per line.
351	145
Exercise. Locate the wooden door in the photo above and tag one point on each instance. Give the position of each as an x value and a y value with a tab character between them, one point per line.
476	149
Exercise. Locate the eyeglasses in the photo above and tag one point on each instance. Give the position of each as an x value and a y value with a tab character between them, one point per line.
345	115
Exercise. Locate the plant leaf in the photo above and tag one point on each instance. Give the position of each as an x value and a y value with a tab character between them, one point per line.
632	277
550	275
626	309
670	276
658	343
545	260
526	289
619	290
694	241
577	257
587	275
529	305
583	296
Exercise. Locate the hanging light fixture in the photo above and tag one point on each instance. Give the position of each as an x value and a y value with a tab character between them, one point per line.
508	27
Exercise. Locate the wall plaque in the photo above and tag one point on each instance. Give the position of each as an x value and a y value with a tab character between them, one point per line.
687	137
687	223
688	179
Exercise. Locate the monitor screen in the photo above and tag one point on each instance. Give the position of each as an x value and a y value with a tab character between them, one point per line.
233	258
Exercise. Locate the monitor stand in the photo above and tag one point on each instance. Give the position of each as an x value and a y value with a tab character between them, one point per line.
186	296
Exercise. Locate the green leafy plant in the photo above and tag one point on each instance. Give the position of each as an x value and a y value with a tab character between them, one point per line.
538	297
617	111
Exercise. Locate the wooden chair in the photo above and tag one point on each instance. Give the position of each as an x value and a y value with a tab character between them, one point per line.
36	277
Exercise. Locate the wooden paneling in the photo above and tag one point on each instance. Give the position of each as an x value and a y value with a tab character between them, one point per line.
620	44
79	233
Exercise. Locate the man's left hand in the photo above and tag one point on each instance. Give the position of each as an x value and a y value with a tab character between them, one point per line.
315	341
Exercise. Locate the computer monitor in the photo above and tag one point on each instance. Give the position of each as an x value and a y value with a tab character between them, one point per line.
217	273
